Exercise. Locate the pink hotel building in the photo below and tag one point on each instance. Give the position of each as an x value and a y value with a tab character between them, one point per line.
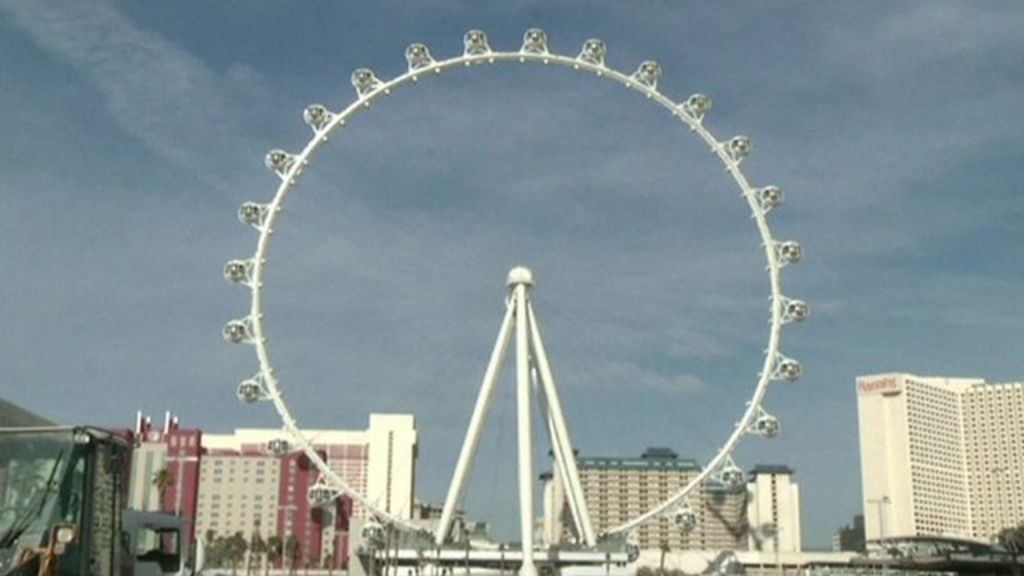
235	483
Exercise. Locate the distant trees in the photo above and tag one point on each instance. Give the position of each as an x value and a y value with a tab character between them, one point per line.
275	548
1012	539
257	551
292	551
648	571
214	556
235	547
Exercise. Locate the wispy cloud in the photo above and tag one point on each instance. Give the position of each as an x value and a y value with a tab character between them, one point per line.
167	99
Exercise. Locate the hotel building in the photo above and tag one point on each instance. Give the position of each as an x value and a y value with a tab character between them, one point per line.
229	483
245	488
773	510
940	456
619	489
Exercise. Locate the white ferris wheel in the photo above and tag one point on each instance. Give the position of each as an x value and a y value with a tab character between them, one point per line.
519	326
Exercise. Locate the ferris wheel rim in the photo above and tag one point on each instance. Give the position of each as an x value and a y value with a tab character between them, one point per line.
644	80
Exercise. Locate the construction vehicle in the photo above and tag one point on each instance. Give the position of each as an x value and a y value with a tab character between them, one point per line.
63	494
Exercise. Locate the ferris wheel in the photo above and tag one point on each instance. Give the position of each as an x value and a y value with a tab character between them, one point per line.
690	113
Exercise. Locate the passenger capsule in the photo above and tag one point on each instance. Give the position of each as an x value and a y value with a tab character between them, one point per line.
251	213
278	447
648	73
739	147
236	271
767	426
535	41
770	197
593	52
418	56
685	520
698	105
317	116
319	495
797	310
236	331
364	81
732	477
250	391
475	43
790	370
278	161
791	252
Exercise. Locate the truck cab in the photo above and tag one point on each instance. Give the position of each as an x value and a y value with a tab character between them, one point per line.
62	507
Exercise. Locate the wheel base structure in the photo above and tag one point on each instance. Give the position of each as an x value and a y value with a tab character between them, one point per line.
423	558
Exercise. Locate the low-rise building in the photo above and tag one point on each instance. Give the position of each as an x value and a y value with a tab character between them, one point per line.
850	538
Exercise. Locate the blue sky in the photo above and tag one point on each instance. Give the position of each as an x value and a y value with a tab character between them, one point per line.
132	131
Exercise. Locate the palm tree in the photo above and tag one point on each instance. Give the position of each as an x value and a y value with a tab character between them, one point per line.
274	549
293	552
1012	539
235	552
664	550
210	542
257	548
218	551
162	480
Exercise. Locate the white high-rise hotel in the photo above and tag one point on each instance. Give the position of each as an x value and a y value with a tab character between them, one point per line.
940	456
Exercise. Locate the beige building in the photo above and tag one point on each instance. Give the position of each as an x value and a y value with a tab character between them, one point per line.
240	480
773	510
238	493
940	456
617	490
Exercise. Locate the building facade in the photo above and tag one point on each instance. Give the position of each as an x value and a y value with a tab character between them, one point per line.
245	487
850	538
378	462
940	456
617	490
994	456
773	510
165	468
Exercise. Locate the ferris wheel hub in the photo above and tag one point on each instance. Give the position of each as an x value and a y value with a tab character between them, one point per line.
520	275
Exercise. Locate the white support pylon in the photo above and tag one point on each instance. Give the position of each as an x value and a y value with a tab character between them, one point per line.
531	366
564	454
522	279
559	471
